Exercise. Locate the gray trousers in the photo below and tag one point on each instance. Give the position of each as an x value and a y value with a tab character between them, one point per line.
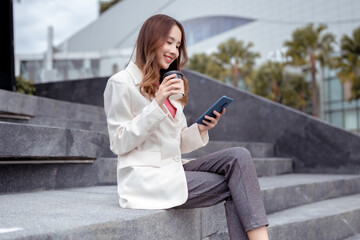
228	175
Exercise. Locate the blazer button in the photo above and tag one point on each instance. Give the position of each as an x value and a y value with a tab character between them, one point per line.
173	134
177	159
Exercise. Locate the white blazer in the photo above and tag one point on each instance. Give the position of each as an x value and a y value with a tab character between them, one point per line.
149	144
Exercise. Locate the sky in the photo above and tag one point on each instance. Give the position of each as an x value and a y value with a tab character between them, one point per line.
32	18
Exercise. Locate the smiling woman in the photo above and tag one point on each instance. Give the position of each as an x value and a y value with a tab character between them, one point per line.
148	131
160	47
169	51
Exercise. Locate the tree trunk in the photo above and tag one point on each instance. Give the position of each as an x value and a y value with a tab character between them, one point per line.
275	91
301	95
235	73
315	99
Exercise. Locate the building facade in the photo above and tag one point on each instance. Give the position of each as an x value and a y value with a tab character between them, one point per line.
338	109
106	45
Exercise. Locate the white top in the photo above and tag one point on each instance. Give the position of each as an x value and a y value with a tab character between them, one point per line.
149	144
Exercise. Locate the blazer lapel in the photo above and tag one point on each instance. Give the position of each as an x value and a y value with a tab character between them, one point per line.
135	72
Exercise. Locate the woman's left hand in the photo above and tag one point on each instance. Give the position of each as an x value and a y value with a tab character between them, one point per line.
212	121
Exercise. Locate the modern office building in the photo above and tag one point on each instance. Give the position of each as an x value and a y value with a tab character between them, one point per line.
338	110
105	45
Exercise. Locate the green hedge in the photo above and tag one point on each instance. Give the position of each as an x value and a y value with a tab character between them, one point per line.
25	86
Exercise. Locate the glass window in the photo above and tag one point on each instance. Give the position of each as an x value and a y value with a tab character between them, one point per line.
62	67
335	90
333	72
31	70
326	72
202	28
351	120
326	90
327	117
327	106
337	119
351	104
336	106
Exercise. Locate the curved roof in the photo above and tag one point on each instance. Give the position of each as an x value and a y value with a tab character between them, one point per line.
266	23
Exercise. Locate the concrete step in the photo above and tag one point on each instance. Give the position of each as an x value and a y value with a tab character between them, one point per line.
273	166
96	126
257	149
36	157
332	219
24	175
93	213
291	190
355	237
16	106
56	174
24	141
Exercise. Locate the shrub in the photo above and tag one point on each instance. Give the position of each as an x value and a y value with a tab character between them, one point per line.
25	86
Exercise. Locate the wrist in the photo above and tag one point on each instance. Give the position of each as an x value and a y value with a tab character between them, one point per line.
200	128
159	101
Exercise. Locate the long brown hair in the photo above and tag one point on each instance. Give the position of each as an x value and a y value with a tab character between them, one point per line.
153	34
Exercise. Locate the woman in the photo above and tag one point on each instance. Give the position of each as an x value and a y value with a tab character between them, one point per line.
149	133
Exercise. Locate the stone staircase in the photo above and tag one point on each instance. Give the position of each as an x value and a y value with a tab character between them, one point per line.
46	157
49	144
299	206
33	110
58	181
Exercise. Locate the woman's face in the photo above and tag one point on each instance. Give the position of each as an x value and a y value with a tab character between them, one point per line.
169	51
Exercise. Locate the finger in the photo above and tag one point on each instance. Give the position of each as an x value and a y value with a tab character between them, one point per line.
172	82
212	120
217	114
205	122
223	111
171	79
208	125
174	92
167	78
172	88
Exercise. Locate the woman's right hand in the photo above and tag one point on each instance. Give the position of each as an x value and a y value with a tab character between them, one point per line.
169	86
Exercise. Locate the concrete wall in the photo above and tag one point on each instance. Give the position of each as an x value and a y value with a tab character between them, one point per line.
315	145
87	91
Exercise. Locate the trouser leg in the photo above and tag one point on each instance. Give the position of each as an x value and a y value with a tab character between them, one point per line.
235	228
207	189
236	167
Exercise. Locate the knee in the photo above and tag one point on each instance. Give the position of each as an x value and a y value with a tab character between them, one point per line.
240	154
238	157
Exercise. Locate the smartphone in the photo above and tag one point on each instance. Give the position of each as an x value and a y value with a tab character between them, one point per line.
218	106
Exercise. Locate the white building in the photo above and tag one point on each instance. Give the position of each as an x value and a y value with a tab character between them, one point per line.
105	46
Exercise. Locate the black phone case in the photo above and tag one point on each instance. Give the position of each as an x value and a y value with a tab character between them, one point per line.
223	102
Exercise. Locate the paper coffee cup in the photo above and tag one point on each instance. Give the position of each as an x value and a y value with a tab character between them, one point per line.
181	84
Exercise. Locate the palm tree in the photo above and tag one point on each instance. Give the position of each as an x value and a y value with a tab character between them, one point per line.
207	65
349	62
267	79
307	46
237	60
272	81
199	62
